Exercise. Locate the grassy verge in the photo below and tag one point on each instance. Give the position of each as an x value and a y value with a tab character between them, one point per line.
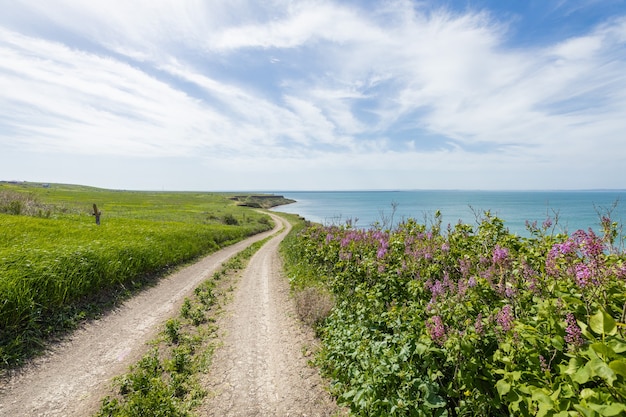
313	300
58	267
165	381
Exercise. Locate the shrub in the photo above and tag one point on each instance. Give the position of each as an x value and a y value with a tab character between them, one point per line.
313	305
469	321
230	220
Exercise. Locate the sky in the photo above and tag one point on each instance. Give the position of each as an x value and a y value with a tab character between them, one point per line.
260	95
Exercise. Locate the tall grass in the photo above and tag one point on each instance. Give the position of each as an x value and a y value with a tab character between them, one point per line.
50	266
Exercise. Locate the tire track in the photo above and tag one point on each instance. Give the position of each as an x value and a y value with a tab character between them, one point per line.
260	370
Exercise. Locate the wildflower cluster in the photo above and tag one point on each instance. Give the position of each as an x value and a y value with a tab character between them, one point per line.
471	320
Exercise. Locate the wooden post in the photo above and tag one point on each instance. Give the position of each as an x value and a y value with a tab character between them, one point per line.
97	214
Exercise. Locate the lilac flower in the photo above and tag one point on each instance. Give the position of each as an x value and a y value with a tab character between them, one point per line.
462	287
345	255
568	247
464	267
471	282
573	334
448	283
533	285
445	247
531	226
544	364
505	318
547	223
436	330
478	324
383	246
558	250
437	289
583	275
590	244
500	255
510	292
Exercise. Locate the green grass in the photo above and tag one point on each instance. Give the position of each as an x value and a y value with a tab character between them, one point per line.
55	262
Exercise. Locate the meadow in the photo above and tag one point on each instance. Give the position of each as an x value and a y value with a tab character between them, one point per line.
57	266
467	320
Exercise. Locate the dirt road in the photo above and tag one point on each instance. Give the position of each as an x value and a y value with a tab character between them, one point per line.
73	377
261	369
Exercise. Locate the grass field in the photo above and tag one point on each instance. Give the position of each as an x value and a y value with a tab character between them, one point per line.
55	262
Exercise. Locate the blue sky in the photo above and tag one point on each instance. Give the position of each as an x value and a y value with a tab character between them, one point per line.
314	95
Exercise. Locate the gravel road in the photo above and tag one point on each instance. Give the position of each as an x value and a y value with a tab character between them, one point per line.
262	368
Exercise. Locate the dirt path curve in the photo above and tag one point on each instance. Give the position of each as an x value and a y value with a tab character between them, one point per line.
72	378
261	368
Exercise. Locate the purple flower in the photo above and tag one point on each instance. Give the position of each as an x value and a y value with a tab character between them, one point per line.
573	334
436	330
590	244
478	324
464	267
505	318
345	255
583	275
500	255
436	289
510	292
547	223
544	364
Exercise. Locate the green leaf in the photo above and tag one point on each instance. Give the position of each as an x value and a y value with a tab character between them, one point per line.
582	375
602	369
613	409
544	402
603	324
435	401
420	348
619	367
503	387
603	350
574	365
584	410
587	393
618	346
558	342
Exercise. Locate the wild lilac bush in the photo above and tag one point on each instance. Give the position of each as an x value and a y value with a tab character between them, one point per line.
470	321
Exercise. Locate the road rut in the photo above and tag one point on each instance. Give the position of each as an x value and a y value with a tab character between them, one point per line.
262	367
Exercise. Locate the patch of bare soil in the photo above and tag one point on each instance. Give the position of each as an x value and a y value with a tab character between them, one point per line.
261	367
72	378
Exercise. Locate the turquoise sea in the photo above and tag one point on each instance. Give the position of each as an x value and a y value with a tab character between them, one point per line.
575	209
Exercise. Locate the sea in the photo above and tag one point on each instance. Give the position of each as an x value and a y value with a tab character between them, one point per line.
568	210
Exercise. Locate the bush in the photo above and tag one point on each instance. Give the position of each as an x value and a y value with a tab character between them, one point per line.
469	321
313	305
230	220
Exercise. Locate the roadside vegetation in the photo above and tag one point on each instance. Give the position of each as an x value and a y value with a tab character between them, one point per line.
466	320
57	267
165	382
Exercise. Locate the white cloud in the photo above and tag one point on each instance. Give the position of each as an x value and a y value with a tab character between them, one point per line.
297	85
78	102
